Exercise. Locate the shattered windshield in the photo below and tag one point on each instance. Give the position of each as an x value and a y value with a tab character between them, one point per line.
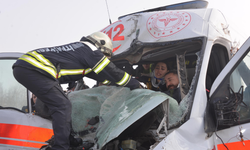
183	58
187	87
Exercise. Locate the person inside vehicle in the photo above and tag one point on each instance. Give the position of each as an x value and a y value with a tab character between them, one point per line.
33	103
43	70
142	71
172	85
156	81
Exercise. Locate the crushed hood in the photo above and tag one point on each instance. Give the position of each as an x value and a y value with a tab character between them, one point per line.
117	108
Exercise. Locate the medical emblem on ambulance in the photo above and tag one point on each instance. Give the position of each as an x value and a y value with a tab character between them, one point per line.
165	24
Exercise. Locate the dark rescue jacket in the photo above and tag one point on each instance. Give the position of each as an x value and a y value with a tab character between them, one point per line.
73	61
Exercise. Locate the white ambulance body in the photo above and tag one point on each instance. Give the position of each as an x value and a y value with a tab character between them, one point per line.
213	81
18	129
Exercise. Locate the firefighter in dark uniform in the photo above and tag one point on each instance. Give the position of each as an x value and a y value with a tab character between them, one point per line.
43	70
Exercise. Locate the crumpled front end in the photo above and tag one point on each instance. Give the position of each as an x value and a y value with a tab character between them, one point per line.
123	114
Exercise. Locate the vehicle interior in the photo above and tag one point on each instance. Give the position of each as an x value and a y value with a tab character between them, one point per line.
218	60
151	53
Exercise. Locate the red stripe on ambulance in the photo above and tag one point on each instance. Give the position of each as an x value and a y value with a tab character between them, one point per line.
22	132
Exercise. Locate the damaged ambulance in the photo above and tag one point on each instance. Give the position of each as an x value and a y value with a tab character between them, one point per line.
212	115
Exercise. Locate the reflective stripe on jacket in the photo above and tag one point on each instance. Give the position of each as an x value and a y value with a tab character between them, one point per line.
72	61
39	61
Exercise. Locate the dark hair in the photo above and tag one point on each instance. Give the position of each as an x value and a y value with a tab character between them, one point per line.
172	71
154	65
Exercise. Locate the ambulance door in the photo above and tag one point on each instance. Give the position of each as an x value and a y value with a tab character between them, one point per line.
229	104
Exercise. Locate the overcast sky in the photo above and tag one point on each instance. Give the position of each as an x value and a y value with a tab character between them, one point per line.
30	24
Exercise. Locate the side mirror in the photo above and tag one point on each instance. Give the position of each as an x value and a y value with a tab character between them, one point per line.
223	112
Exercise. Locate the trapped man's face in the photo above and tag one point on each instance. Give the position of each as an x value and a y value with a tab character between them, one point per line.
172	81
